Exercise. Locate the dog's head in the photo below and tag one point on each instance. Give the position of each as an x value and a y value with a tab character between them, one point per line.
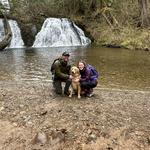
74	70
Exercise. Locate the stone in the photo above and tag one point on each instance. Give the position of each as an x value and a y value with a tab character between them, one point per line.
2	108
92	137
40	138
58	136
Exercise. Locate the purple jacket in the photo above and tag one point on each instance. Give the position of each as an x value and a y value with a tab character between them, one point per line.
85	75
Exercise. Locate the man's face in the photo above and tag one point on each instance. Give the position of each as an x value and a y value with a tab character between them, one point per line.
66	58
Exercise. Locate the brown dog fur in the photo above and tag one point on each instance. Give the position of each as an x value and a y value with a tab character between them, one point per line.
75	85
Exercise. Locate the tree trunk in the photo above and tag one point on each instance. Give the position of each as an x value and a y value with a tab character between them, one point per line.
93	5
8	35
145	12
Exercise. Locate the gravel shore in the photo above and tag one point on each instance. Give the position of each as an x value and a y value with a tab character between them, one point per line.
33	117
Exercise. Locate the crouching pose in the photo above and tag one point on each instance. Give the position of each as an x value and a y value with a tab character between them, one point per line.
89	78
61	73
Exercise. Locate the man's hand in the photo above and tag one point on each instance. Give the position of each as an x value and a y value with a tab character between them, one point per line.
70	77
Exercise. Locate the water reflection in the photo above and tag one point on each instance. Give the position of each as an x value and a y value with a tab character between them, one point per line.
119	68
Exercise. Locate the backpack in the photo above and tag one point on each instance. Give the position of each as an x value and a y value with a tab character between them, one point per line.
94	72
53	66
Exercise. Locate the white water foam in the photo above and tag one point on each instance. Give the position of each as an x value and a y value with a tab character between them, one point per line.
6	5
57	32
16	41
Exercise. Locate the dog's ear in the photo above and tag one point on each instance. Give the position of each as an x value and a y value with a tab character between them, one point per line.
77	70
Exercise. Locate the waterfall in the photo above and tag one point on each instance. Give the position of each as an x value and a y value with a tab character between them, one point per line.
2	32
16	41
5	3
57	32
16	35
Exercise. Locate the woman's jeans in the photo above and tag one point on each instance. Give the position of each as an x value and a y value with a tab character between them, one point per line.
88	85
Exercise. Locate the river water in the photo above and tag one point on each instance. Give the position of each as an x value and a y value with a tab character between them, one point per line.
119	68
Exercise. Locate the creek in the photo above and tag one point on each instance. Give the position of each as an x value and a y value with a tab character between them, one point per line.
119	68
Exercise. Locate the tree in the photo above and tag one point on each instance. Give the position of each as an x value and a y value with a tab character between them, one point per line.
145	12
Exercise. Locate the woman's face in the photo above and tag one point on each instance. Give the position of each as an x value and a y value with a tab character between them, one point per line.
81	66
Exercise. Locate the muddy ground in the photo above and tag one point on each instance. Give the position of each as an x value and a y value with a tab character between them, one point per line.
32	117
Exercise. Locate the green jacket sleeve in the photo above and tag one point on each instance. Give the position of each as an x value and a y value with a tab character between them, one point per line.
59	73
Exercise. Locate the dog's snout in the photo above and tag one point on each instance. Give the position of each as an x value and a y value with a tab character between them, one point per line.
73	71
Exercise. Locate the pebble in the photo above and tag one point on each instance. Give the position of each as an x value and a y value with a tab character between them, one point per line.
2	108
15	124
40	138
21	106
29	124
22	112
92	137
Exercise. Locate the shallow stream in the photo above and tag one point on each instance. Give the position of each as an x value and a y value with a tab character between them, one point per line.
119	68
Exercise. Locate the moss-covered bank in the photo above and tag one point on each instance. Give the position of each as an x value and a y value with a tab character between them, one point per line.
125	37
128	36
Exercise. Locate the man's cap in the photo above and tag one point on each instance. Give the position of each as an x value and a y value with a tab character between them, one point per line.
65	54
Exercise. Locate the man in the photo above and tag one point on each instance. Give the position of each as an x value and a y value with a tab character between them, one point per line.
60	70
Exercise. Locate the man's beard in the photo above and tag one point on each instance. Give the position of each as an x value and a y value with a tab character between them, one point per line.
64	63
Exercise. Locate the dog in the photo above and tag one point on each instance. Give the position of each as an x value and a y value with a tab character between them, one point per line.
75	85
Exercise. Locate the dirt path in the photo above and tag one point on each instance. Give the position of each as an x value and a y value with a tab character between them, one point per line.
32	117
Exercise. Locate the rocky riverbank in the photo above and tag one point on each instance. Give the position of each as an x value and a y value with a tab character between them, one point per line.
32	117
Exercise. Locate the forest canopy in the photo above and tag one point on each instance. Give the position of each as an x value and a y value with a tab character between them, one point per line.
134	12
122	23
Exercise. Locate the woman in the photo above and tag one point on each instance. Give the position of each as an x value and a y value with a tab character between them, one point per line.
87	81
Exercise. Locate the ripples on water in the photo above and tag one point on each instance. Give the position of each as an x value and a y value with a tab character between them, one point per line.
119	68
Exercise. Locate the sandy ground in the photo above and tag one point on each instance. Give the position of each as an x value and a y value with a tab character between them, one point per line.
32	117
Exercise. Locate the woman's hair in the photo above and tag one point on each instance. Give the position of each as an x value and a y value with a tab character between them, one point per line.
82	61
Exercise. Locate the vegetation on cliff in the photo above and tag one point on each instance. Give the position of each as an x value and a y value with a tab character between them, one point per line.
119	23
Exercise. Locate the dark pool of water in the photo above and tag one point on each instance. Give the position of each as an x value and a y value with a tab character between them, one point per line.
119	68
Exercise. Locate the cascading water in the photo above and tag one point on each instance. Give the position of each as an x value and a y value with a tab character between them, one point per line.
2	32
16	41
5	3
57	32
16	35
